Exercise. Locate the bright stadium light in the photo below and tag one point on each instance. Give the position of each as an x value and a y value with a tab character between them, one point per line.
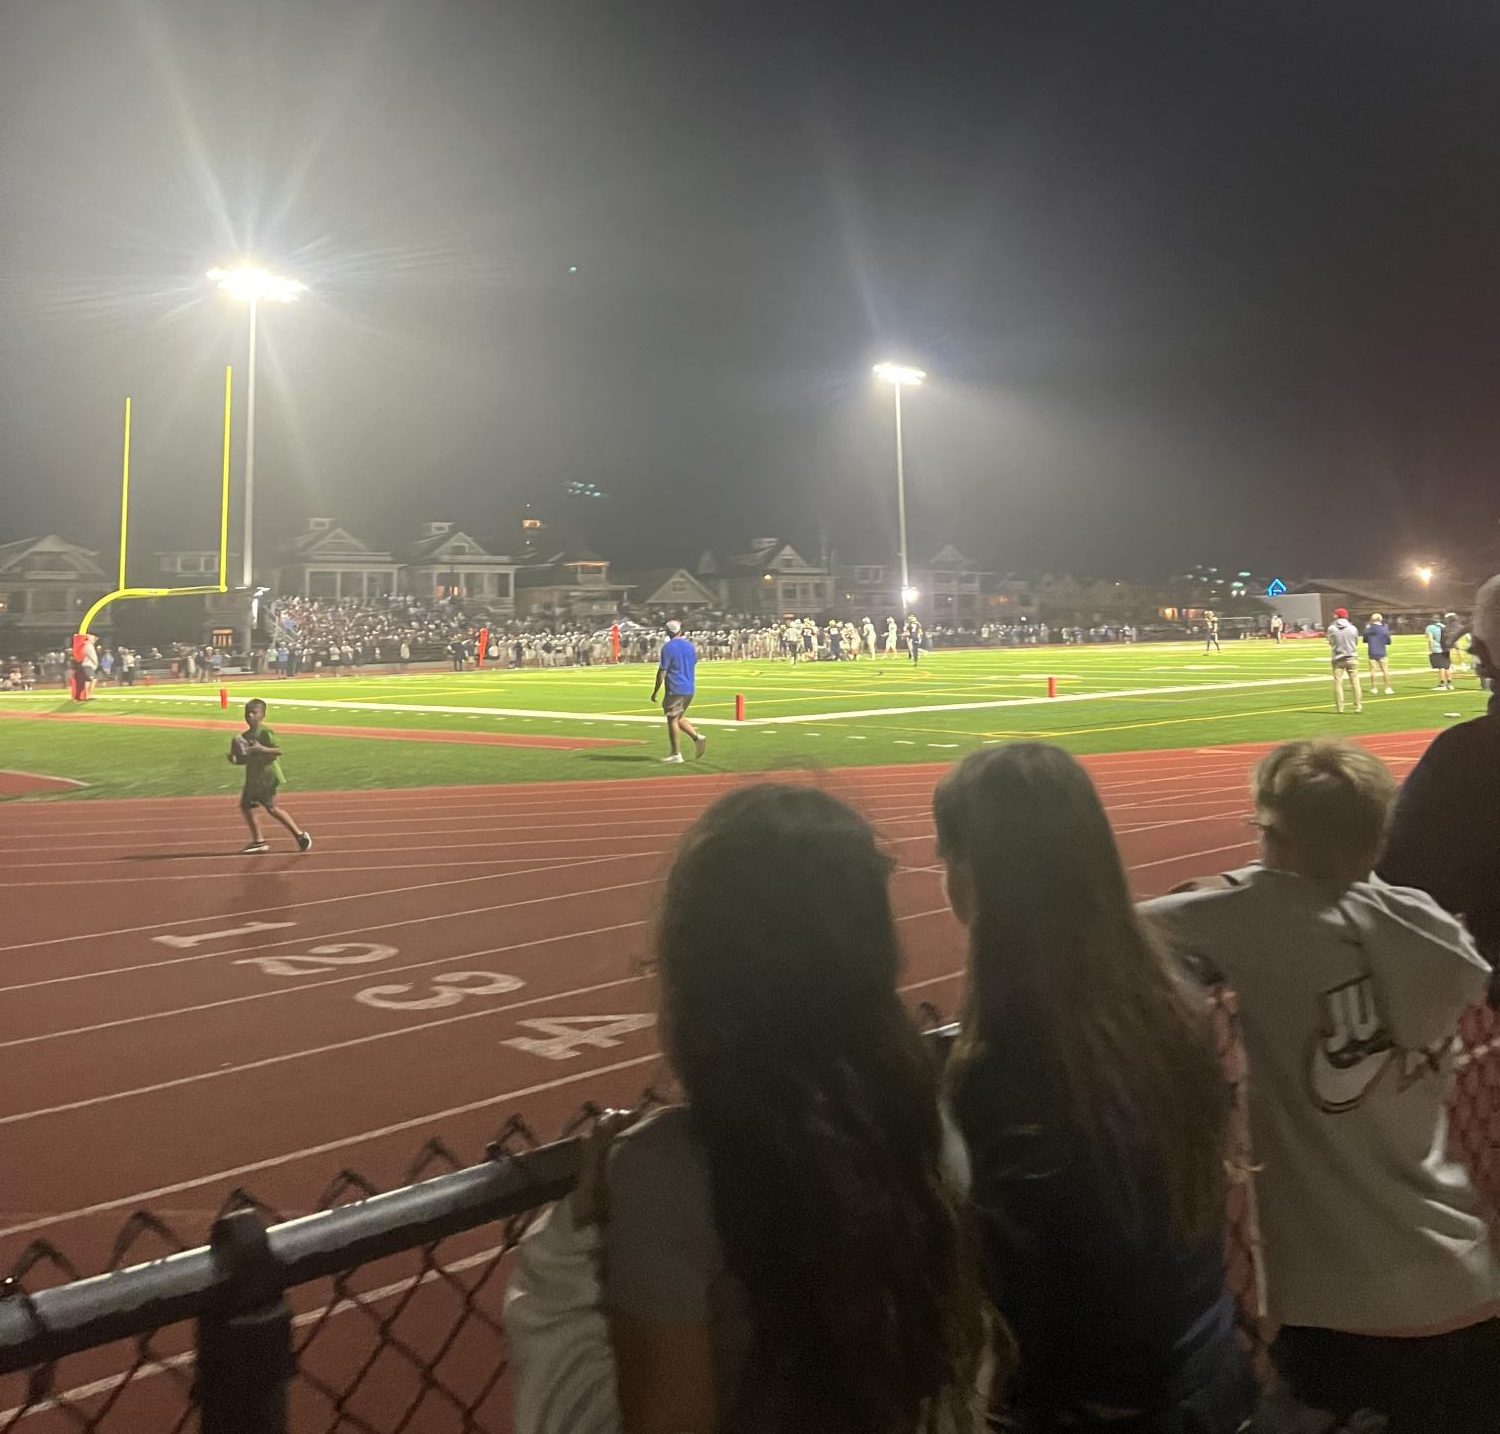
909	596
899	373
251	284
899	376
1424	575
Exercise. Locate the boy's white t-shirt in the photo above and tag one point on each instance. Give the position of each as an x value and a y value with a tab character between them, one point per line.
1349	1006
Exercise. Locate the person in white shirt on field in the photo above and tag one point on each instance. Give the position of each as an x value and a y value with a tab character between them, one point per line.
890	636
868	633
1343	639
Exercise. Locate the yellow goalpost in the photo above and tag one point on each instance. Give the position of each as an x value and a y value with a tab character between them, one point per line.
124	591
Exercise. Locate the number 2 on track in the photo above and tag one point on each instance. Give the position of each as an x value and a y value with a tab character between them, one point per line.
568	1034
321	958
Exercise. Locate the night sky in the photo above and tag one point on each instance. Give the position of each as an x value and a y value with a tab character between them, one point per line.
1195	283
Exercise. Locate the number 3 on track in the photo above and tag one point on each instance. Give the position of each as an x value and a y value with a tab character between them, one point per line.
447	990
570	1033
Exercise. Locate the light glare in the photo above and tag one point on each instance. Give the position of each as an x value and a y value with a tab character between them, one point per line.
898	373
1424	574
910	595
249	283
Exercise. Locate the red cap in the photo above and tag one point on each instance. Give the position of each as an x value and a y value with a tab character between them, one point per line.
1341	612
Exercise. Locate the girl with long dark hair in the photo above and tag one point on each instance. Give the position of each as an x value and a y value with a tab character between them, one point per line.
784	1251
1087	1088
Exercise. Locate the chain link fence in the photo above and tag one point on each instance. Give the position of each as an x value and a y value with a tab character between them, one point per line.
382	1312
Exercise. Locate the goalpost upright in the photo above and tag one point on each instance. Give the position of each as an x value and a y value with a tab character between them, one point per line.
122	591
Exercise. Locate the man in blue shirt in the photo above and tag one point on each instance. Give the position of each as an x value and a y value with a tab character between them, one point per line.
1378	641
676	671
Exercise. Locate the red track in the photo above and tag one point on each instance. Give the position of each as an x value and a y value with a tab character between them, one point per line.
156	1056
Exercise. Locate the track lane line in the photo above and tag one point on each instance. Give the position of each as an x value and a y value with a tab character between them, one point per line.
345	1142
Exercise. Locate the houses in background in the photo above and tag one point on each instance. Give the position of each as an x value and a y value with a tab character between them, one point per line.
47	584
573	584
540	572
770	579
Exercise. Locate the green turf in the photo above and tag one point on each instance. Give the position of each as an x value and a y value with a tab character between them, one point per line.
1128	705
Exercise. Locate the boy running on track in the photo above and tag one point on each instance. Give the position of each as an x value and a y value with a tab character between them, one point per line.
677	670
256	751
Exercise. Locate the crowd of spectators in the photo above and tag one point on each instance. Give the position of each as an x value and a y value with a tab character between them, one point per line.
830	1233
302	635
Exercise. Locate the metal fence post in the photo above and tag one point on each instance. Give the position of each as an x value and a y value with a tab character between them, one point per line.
245	1337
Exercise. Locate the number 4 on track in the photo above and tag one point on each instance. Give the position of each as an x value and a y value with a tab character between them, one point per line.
569	1034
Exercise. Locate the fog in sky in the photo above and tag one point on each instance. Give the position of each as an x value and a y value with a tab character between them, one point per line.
1194	282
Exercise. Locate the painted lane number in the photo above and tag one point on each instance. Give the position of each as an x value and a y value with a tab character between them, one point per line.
183	943
565	1036
445	990
321	958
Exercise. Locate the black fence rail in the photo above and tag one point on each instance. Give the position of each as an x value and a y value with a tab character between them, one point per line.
379	1313
382	1313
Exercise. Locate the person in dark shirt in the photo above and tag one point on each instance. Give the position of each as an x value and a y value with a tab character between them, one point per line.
1378	643
1444	835
1086	1086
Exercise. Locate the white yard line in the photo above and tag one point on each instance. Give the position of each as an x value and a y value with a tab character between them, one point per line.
792	719
1042	701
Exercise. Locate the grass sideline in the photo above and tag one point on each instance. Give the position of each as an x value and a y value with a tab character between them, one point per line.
811	716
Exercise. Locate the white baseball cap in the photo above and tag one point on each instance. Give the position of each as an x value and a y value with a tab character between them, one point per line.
673	626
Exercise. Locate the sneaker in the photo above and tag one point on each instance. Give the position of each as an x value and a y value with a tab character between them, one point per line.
675	757
304	841
1390	691
700	746
1359	709
255	848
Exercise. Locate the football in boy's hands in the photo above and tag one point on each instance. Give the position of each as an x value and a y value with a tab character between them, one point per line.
239	749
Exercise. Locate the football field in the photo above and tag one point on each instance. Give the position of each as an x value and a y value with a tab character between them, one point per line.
437	729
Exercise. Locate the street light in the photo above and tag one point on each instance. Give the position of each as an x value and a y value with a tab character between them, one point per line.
251	284
899	376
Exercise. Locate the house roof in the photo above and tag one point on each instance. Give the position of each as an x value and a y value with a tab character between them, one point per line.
648	581
1385	592
554	572
332	543
949	557
765	552
13	552
434	546
562	557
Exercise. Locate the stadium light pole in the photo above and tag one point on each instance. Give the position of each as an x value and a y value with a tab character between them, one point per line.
899	376
252	285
